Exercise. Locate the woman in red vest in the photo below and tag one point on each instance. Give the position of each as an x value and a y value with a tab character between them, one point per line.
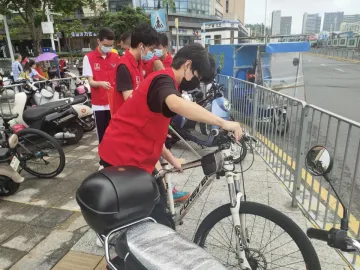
137	131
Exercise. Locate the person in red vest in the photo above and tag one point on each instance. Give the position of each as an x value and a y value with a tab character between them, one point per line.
100	67
137	131
129	72
161	52
125	41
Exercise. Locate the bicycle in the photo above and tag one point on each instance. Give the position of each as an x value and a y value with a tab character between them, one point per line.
319	162
35	148
244	256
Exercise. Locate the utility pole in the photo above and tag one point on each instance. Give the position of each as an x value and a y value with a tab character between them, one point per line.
167	27
52	34
8	38
265	22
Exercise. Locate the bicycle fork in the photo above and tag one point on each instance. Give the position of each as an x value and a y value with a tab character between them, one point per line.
233	180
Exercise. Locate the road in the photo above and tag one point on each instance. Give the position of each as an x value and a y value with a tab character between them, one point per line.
333	85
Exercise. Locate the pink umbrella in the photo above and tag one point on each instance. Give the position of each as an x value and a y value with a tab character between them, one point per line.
45	57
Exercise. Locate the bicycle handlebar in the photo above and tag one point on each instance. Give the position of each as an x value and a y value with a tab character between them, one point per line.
318	234
335	238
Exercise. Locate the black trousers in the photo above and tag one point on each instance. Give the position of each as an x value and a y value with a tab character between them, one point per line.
160	212
102	120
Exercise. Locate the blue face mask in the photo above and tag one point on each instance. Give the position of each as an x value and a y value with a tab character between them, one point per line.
148	56
158	53
106	49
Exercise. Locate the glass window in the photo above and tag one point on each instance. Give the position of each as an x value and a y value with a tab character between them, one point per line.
351	42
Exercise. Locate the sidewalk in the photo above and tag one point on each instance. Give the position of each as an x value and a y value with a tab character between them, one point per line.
42	228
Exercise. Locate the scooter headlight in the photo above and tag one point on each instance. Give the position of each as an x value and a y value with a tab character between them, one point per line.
227	105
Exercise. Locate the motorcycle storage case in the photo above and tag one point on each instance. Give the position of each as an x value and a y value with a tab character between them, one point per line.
116	196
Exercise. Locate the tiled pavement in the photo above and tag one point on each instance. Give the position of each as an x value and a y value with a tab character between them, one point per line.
41	226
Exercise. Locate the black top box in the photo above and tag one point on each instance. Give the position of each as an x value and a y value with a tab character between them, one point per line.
117	196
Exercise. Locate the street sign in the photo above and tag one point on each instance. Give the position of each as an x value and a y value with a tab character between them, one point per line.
47	27
158	20
46	49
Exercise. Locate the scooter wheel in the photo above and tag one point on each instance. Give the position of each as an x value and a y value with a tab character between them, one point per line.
7	186
76	129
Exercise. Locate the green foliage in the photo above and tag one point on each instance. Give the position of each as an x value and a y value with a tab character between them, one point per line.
68	27
119	22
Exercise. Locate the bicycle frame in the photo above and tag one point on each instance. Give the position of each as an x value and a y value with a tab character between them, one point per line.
235	194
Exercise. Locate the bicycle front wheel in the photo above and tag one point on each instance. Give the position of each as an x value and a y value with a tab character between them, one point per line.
39	153
274	240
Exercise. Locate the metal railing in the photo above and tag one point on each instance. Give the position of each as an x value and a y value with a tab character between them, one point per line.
350	54
7	93
287	128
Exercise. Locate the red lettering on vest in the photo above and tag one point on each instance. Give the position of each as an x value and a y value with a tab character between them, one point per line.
135	135
103	69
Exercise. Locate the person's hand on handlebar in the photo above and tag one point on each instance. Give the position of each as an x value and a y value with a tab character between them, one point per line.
233	127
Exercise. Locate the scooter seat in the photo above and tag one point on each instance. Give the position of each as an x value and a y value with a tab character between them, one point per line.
79	99
9	117
4	153
38	112
156	246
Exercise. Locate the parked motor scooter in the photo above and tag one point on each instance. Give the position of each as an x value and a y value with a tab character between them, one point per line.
47	95
10	179
58	118
220	106
82	86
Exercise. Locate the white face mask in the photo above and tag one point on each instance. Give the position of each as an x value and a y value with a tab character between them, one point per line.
105	49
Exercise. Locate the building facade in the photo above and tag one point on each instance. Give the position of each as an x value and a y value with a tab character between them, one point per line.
276	22
350	27
223	32
351	18
233	9
311	23
332	21
285	25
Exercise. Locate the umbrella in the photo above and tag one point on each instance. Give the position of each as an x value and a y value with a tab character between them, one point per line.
45	57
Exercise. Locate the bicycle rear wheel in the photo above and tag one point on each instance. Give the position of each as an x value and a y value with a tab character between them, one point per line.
39	153
296	252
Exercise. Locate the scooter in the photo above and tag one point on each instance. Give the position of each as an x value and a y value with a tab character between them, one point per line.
220	106
10	179
82	87
47	95
58	118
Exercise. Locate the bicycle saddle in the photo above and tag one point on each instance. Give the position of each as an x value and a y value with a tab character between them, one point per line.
151	246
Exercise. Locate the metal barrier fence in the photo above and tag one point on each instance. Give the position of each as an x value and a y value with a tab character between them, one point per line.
287	128
338	52
7	93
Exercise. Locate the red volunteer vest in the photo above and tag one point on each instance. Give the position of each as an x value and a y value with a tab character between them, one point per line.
135	135
167	61
148	66
103	70
135	70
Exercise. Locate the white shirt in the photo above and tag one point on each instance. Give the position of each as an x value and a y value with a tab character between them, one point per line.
87	72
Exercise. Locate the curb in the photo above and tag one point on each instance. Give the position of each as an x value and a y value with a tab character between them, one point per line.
335	58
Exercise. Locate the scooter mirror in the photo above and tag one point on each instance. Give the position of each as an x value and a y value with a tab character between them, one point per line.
296	62
318	161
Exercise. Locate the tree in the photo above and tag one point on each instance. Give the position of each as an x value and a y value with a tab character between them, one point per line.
32	13
120	21
167	4
69	27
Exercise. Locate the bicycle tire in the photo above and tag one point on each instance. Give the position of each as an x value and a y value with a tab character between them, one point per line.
290	227
28	131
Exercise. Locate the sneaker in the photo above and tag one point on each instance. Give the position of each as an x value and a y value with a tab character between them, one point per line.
98	242
101	167
180	196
